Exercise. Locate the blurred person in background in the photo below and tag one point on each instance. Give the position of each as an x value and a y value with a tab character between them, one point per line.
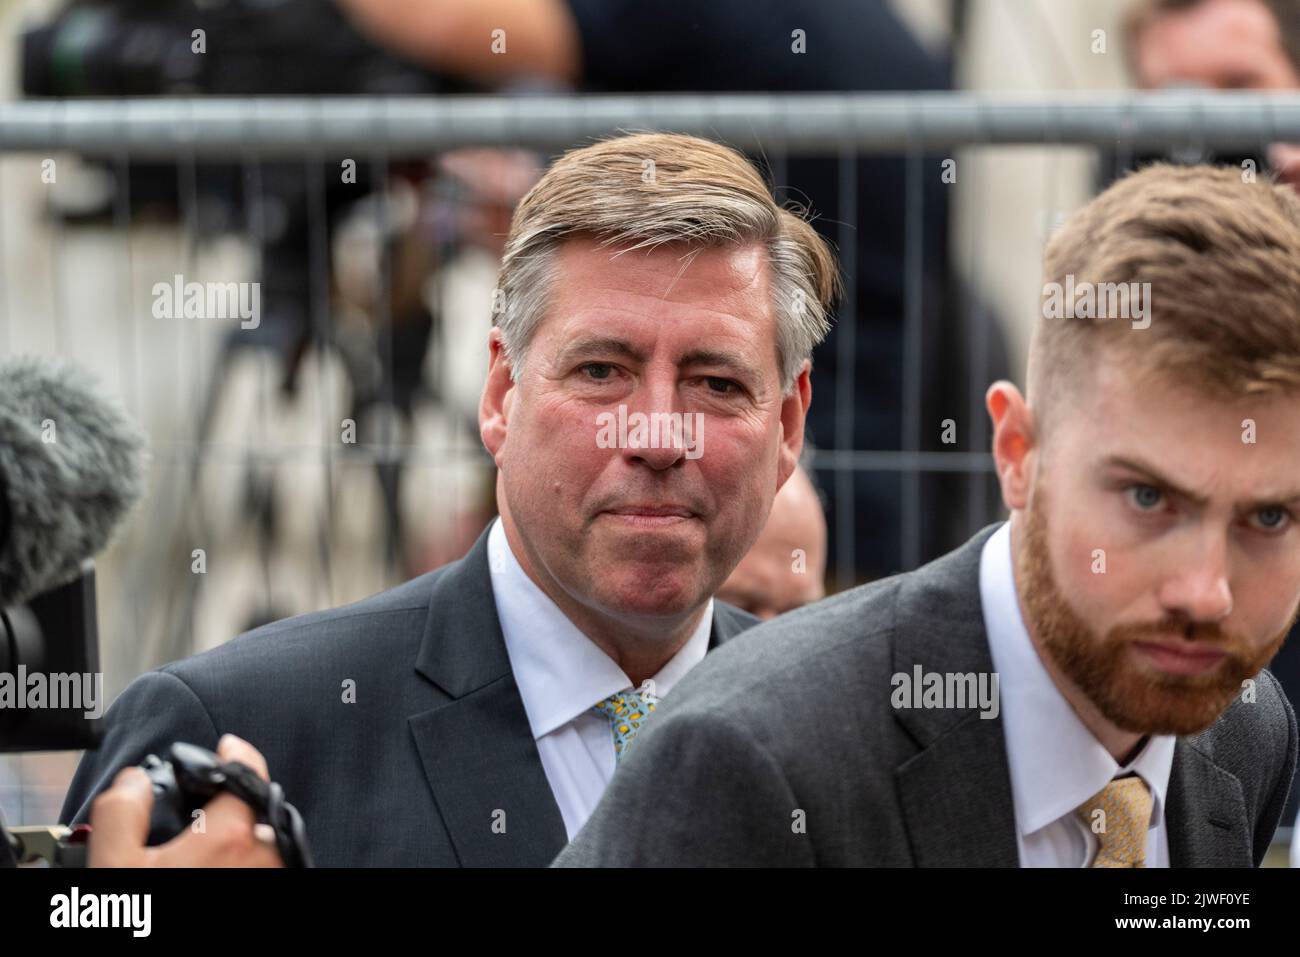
787	565
1220	45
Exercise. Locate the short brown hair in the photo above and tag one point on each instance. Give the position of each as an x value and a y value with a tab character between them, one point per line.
1286	13
1221	252
644	190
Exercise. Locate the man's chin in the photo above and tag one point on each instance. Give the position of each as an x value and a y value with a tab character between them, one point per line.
1153	702
649	593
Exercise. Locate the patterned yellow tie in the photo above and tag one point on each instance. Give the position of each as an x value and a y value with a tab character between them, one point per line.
626	711
1119	815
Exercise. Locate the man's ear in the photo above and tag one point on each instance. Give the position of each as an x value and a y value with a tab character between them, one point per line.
794	409
498	394
1013	441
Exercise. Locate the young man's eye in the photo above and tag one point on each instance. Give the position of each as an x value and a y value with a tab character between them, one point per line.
1145	497
1273	519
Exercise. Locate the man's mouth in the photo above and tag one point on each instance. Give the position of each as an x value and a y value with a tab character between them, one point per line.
650	516
1180	658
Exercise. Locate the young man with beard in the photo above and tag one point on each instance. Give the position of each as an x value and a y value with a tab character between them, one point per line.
1148	573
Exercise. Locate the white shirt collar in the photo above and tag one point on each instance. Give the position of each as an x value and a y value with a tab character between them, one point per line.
560	672
1056	763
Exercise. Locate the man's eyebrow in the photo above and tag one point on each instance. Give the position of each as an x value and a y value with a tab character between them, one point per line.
1154	474
613	346
715	357
600	345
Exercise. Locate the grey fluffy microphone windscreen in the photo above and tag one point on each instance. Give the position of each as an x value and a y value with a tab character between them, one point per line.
72	464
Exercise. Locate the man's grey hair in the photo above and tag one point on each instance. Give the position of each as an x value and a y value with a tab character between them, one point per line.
646	190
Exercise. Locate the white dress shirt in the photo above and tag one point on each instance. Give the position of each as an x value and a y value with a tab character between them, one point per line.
1056	763
561	674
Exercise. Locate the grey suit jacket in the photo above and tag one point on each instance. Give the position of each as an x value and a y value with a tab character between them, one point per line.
783	749
413	772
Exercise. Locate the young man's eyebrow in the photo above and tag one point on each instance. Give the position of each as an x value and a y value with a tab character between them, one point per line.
1135	465
1291	500
1157	478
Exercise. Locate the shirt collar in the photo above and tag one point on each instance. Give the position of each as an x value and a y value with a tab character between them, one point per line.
1056	764
560	672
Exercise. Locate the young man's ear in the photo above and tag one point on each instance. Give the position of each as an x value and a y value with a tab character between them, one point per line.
794	409
1013	441
498	394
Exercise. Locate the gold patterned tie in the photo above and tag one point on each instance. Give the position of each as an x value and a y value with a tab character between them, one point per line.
626	711
1119	815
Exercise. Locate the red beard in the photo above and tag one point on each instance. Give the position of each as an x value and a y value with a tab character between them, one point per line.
1131	695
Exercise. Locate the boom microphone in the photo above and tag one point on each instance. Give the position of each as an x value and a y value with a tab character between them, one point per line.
72	464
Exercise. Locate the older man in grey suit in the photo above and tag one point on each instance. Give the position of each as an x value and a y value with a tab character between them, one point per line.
644	402
1084	685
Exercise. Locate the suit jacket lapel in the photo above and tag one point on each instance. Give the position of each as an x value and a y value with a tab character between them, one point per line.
1205	816
478	752
477	749
956	792
728	622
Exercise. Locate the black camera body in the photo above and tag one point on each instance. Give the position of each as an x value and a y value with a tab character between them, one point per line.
181	787
182	784
193	776
193	47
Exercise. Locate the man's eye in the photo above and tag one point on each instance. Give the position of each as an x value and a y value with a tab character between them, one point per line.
1145	497
721	386
598	370
1273	519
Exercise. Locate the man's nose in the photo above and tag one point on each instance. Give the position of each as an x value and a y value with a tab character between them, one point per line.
664	439
1199	589
658	459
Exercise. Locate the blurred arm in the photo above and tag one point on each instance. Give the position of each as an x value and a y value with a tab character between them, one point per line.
456	36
